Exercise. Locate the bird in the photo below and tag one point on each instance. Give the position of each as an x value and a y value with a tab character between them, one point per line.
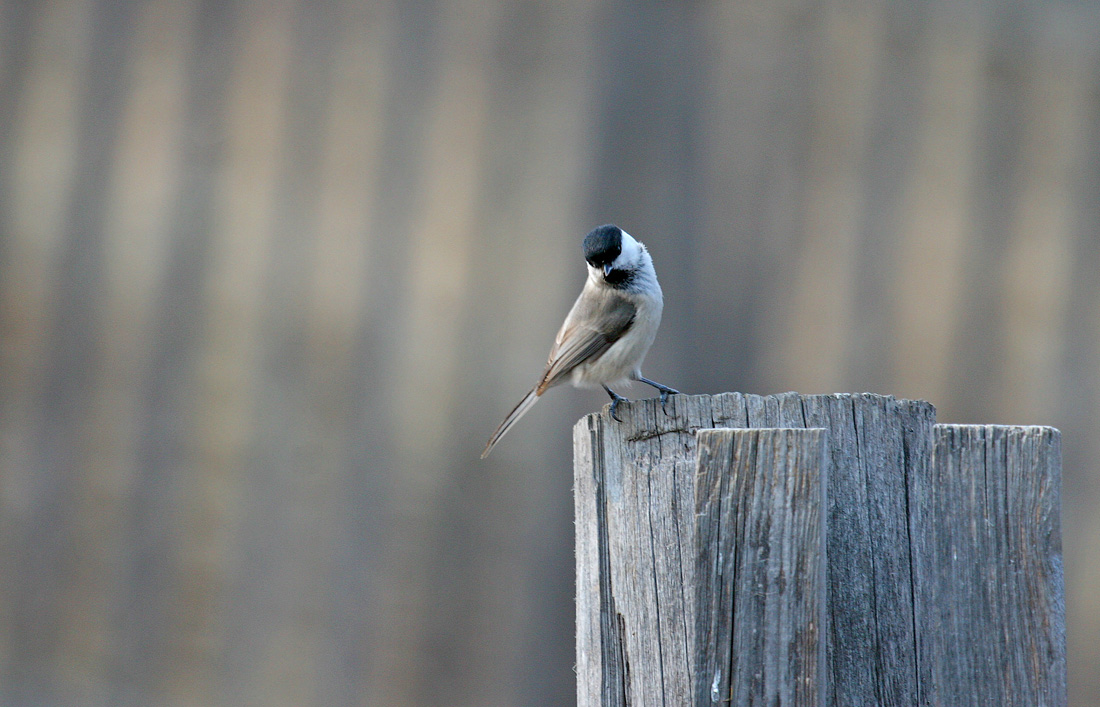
608	331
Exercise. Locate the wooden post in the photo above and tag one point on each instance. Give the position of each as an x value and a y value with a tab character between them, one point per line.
760	567
892	634
990	578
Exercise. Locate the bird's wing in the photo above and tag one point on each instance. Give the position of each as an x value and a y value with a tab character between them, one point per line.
594	324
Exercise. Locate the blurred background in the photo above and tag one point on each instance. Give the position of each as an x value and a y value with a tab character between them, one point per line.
271	272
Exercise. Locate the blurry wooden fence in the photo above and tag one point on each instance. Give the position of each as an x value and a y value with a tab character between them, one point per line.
271	271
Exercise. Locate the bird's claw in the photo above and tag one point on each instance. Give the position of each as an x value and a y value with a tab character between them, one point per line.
664	390
615	406
664	399
615	400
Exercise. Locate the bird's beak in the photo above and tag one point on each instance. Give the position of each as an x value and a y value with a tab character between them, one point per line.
606	269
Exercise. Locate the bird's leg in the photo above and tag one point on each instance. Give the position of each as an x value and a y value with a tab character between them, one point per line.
615	400
665	391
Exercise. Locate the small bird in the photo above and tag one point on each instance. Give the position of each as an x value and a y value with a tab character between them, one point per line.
609	329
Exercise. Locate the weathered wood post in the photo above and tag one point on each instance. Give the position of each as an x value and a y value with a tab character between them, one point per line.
989	569
760	567
700	579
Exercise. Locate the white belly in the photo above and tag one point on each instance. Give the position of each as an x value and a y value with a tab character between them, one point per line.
623	361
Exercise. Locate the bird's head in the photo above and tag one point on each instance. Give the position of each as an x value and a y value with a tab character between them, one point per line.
613	254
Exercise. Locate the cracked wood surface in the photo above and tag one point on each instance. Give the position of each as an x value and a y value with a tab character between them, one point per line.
992	573
888	635
760	567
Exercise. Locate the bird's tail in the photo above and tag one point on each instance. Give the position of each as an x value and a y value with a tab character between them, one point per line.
513	417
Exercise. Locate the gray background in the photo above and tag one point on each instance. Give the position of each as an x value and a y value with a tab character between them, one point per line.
271	272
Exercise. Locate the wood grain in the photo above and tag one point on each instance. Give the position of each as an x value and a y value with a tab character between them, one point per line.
642	468
943	543
760	567
989	575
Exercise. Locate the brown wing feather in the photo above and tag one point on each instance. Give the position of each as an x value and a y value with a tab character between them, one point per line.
577	342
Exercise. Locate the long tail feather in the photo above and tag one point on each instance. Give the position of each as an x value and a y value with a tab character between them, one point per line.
513	417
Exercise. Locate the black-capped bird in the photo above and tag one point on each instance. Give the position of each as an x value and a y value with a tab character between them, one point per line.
609	329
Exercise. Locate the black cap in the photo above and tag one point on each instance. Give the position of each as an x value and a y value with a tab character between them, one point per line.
603	244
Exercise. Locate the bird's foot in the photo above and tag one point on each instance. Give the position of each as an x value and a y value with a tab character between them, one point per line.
664	389
664	398
615	400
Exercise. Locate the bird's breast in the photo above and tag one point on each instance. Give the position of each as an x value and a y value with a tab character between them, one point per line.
622	359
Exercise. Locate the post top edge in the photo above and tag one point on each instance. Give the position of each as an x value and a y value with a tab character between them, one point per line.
703	399
1027	429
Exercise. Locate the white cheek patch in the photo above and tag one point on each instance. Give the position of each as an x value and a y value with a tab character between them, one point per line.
628	255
